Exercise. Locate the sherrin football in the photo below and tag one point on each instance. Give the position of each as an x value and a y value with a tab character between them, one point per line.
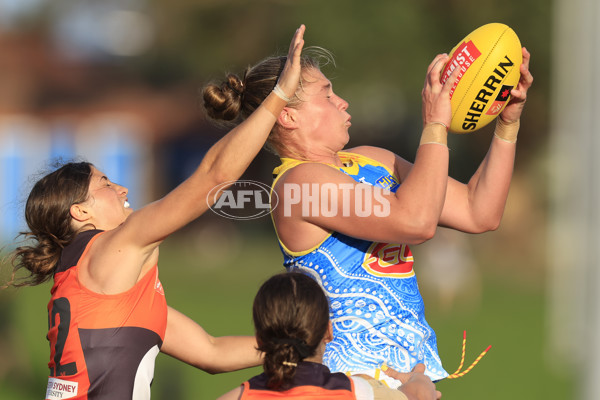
489	59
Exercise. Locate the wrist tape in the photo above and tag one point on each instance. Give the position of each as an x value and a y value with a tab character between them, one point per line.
507	131
434	133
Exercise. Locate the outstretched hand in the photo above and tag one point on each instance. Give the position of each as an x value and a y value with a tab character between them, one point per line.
435	94
514	108
290	76
415	384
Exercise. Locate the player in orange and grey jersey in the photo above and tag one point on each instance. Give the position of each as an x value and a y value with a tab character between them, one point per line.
102	344
107	316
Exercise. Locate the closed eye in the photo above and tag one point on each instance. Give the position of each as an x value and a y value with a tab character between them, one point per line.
328	89
105	180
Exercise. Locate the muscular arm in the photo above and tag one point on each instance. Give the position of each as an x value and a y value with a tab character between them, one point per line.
474	207
224	162
123	253
187	341
413	210
479	205
427	197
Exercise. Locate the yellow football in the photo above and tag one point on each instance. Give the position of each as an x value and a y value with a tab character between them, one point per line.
489	59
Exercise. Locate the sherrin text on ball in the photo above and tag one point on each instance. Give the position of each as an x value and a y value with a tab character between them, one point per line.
489	59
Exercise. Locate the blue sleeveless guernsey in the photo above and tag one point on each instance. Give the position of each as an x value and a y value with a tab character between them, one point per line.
375	305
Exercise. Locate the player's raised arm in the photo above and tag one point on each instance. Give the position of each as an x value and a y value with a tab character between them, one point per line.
224	162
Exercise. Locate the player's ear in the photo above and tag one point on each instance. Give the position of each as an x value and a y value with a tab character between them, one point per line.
288	118
79	213
329	333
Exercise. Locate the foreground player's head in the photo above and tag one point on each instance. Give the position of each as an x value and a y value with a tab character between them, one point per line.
291	319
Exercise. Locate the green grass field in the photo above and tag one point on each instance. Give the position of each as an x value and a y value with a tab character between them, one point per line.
214	283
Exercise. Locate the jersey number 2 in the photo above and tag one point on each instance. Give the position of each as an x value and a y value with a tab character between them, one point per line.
62	307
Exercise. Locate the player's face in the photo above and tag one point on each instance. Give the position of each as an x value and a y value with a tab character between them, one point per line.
322	114
107	202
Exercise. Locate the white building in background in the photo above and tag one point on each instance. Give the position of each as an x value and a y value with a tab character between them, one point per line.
52	105
117	143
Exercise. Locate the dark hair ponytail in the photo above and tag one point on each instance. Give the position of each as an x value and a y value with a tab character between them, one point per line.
224	101
48	217
234	99
291	316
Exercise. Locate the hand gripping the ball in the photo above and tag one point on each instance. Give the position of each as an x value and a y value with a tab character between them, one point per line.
514	108
435	95
489	59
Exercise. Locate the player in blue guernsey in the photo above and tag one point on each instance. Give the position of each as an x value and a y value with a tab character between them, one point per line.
376	310
348	217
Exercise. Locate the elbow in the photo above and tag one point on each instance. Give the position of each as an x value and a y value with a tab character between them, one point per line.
210	368
220	177
491	226
425	234
487	225
494	225
492	222
212	371
216	173
420	231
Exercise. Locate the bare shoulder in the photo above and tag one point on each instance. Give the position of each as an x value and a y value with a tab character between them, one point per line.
234	394
378	154
312	173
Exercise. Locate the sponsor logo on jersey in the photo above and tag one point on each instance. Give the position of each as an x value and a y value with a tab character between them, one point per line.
388	182
61	389
389	260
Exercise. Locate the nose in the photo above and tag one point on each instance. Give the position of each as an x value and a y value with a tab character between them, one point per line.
122	190
343	104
